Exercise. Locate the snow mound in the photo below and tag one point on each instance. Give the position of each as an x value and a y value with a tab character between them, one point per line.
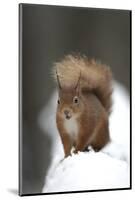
88	171
106	169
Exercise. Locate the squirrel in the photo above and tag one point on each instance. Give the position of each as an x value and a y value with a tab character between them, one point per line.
84	103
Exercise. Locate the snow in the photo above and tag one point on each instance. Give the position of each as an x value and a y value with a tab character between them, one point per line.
88	171
91	170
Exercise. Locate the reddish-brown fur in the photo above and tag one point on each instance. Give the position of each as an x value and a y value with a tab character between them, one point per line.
90	83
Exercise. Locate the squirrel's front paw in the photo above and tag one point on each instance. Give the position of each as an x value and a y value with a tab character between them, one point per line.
66	155
75	151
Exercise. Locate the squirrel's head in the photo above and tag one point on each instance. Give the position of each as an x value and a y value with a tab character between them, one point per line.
69	101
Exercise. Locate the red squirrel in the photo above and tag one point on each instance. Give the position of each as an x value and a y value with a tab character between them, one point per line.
84	103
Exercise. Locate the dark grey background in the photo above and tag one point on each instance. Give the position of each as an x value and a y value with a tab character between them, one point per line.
49	33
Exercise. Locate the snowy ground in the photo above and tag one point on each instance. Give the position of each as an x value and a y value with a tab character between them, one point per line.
106	169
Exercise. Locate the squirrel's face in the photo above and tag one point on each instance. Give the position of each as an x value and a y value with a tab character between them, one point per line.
69	104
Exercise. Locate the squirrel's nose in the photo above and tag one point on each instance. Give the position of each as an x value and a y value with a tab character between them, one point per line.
67	114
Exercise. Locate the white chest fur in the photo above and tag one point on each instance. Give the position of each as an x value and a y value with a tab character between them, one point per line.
71	127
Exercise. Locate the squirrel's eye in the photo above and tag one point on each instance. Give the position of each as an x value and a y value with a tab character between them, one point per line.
58	101
75	100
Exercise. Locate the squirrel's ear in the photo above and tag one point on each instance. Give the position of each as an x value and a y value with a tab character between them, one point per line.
77	87
58	81
78	90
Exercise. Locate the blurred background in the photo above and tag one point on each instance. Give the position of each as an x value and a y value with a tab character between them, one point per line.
49	33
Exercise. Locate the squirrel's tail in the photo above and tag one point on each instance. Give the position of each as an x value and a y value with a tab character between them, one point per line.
95	77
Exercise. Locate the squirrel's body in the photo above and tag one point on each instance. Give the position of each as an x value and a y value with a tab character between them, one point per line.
84	103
